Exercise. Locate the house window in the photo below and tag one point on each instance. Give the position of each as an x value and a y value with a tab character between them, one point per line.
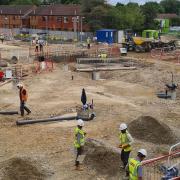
59	19
75	19
14	17
44	18
65	19
5	17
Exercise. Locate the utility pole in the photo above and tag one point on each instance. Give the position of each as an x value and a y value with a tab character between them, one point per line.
81	27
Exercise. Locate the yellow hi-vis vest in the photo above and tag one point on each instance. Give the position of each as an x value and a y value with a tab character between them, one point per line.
88	40
82	140
124	140
133	168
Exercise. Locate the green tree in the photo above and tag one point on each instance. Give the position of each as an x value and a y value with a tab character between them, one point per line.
131	4
24	2
119	4
4	2
96	13
129	16
150	11
171	6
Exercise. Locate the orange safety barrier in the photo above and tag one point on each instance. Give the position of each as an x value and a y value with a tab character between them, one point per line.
44	66
149	161
166	54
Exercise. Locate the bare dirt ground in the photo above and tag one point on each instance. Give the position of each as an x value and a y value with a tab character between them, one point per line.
122	96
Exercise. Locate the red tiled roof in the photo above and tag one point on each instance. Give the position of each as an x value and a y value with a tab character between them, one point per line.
15	9
57	10
168	16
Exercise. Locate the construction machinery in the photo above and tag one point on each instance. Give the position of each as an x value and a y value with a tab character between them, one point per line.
141	44
153	34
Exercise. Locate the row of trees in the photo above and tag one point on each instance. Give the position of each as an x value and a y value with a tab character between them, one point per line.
100	14
131	16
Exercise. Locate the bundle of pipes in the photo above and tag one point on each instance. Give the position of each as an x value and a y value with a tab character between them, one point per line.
8	112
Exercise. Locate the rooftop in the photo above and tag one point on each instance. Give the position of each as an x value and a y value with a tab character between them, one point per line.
168	16
15	9
55	10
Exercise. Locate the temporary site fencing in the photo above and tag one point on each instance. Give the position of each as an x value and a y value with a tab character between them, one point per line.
166	53
164	167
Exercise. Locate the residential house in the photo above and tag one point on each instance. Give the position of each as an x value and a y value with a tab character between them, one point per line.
51	17
15	16
167	16
57	17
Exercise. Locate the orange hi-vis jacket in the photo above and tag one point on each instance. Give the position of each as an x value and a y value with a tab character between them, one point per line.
23	94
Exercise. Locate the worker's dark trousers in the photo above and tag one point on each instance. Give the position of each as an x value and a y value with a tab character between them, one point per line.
79	152
36	49
23	107
125	157
41	48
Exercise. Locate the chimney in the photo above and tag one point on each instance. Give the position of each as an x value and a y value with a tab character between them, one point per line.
1	11
34	11
51	12
20	11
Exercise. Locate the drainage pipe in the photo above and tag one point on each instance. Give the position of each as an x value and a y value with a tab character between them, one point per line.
60	118
8	112
53	119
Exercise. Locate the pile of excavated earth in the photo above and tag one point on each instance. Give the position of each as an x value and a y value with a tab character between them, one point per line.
149	129
21	168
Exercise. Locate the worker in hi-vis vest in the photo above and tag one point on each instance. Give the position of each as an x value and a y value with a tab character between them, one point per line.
79	142
88	43
126	141
23	96
134	166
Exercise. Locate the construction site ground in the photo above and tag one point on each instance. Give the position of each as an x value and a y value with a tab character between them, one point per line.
45	151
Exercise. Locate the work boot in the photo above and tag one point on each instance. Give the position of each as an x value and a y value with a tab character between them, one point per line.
29	113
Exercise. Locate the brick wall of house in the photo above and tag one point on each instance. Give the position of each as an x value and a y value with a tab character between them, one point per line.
61	23
10	21
42	18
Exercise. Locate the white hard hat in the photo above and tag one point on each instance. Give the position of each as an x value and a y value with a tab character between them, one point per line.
80	122
143	152
19	85
123	126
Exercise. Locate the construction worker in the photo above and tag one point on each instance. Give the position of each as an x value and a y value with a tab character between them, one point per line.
79	142
23	98
88	42
36	45
2	38
126	141
134	166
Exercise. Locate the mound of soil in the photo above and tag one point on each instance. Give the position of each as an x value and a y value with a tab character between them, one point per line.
3	63
103	158
22	169
149	129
